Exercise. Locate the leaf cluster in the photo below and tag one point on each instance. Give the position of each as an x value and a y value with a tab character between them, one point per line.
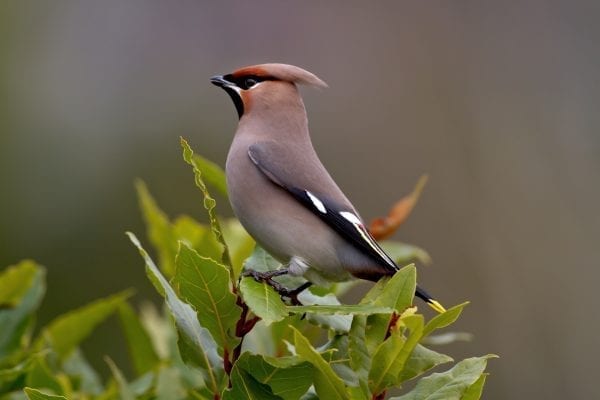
225	336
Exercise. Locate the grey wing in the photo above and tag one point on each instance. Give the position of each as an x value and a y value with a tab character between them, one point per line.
310	184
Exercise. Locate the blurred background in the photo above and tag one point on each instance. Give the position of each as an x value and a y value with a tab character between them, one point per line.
496	101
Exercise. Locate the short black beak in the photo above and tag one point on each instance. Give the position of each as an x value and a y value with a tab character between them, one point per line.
218	80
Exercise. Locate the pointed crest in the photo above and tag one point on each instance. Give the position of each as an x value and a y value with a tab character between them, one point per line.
283	72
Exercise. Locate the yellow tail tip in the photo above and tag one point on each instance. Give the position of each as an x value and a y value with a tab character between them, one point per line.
436	305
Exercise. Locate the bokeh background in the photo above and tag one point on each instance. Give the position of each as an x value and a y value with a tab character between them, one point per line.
497	101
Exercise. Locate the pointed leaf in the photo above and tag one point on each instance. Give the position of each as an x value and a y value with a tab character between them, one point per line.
160	232
404	253
209	202
342	309
396	292
475	391
382	367
327	384
139	344
196	344
414	323
240	244
25	286
15	282
360	360
335	352
263	300
444	319
125	392
391	355
384	227
337	321
212	174
67	331
244	386
197	236
204	283
261	261
165	235
449	385
169	385
421	360
80	371
447	338
8	376
287	377
399	290
34	394
40	376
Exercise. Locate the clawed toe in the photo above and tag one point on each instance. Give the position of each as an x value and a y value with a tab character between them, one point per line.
267	277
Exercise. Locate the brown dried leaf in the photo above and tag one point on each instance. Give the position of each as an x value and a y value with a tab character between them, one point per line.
384	227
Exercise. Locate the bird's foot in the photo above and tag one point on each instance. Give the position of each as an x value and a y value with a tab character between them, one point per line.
293	294
267	277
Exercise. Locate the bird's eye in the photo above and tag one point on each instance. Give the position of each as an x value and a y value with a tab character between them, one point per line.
249	82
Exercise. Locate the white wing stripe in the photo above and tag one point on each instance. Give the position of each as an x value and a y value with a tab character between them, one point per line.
357	223
316	202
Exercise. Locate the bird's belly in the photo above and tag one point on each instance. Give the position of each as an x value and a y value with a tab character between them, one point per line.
282	226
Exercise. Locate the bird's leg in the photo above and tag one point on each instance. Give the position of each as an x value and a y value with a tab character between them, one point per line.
267	277
293	294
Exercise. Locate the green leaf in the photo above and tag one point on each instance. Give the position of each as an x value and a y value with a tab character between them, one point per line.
399	290
195	342
327	384
397	293
475	391
160	232
421	360
169	385
65	332
143	386
198	236
40	376
342	309
8	376
212	173
139	344
263	300
25	286
125	392
240	244
451	384
287	377
15	281
444	319
272	339
447	338
244	386
414	323
339	323
204	283
360	360
404	253
382	371
335	352
261	261
34	394
81	374
209	202
390	357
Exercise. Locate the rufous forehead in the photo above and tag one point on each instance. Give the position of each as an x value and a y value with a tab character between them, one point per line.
250	71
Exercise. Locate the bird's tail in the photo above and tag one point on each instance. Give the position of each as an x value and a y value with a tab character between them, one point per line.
423	295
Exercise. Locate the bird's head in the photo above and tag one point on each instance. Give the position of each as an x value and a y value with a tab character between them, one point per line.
264	85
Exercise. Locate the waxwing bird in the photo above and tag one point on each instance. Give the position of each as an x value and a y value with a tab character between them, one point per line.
282	194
